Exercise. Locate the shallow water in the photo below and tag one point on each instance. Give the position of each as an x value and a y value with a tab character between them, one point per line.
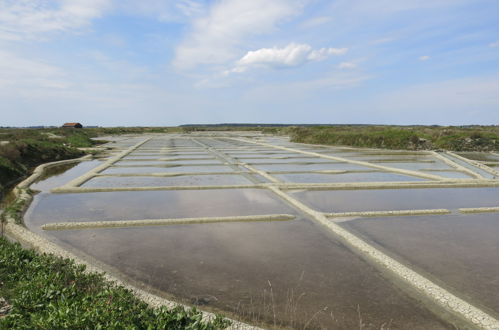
59	175
168	155
294	269
189	180
287	160
174	169
460	251
451	174
345	177
398	199
437	165
167	163
255	269
131	161
417	166
130	205
311	167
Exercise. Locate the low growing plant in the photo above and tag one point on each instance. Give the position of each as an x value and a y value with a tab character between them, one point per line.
48	292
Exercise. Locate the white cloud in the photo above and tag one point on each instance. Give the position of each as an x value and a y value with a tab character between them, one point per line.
494	44
290	56
215	37
21	19
424	58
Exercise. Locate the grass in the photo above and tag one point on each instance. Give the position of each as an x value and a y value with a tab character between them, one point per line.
28	148
14	210
49	292
476	138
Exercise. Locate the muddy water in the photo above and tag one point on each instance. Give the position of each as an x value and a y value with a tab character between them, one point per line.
398	199
460	251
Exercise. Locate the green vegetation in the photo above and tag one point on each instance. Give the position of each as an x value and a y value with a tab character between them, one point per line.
23	149
47	292
476	138
14	210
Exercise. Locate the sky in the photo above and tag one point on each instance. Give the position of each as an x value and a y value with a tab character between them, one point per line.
166	63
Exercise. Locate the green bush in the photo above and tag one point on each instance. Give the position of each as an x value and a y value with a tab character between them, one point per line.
47	292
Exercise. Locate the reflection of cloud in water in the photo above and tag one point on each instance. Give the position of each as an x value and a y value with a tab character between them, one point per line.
132	205
259	197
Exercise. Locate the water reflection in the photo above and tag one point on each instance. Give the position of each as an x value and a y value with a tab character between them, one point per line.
461	251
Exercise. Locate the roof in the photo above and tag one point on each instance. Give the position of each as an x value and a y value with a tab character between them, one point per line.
71	124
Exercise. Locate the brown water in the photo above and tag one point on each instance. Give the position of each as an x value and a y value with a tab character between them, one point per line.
460	251
398	199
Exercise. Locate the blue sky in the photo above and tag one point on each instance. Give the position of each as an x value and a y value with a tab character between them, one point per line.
162	62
